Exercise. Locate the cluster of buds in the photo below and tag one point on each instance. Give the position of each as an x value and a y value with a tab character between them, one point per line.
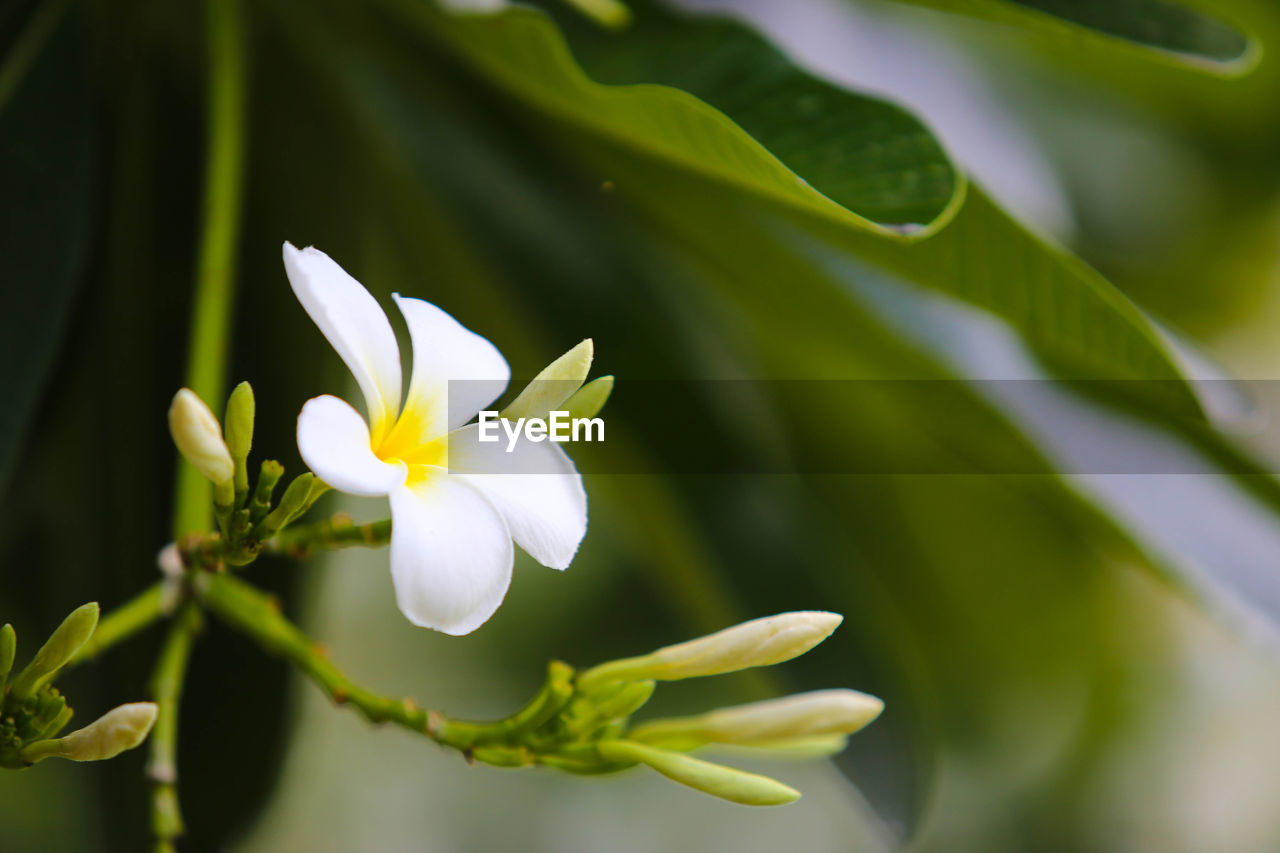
246	517
33	711
581	722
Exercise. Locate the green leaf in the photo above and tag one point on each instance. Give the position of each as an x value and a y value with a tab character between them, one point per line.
1164	31
708	95
1068	312
1064	309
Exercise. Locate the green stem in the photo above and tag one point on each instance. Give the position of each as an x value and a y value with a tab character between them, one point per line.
337	532
215	279
206	370
166	690
257	615
17	62
140	612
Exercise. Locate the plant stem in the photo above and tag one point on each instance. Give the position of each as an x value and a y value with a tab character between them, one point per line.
337	532
166	690
206	372
215	279
258	616
140	612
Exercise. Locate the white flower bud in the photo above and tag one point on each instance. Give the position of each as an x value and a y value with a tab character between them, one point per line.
198	436
760	642
820	713
114	732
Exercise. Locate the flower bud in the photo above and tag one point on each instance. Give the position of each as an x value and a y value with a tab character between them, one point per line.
818	746
106	737
8	647
268	477
61	646
760	642
588	400
238	430
737	786
558	381
199	438
818	714
610	704
295	501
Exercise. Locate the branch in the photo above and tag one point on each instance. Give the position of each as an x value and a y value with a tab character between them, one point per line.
137	614
258	616
337	532
166	690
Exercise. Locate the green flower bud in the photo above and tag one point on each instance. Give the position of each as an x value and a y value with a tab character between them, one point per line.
583	767
588	400
820	713
268	477
53	713
610	705
199	438
8	647
106	737
296	500
556	383
61	646
238	429
760	642
737	786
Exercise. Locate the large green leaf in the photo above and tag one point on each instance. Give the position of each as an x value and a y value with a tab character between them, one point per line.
1067	311
1167	31
709	95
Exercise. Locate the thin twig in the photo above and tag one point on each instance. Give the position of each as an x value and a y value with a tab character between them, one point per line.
257	615
166	690
337	532
140	612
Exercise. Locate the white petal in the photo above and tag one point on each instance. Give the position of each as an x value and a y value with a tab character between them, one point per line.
451	555
334	442
445	351
354	324
536	489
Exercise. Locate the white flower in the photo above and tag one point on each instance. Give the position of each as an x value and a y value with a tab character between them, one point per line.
453	519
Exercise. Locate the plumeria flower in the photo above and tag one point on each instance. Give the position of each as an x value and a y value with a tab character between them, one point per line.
453	517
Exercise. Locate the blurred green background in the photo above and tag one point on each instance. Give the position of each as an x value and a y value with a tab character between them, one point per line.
1070	660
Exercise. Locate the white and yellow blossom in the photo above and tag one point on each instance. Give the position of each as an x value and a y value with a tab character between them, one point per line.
455	506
